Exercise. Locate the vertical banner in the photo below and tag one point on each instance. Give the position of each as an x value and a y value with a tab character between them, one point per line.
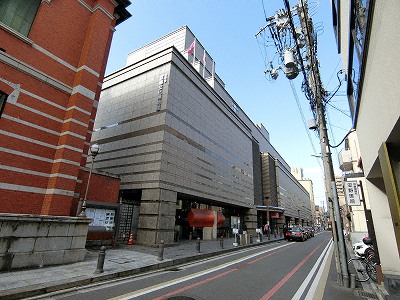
352	195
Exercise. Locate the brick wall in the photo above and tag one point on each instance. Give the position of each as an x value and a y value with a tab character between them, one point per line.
45	133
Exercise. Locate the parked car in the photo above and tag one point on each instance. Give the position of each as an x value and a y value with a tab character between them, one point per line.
296	233
309	231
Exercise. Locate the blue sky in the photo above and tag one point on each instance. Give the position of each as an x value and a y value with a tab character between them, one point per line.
227	28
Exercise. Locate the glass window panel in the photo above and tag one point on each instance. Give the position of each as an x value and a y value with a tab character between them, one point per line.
355	79
18	14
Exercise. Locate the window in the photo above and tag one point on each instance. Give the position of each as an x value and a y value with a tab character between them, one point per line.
360	11
3	99
360	19
19	14
235	108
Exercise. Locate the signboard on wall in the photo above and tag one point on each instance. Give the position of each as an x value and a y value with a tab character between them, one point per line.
101	217
351	191
274	215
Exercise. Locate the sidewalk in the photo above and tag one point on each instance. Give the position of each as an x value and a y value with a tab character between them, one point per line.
363	290
126	261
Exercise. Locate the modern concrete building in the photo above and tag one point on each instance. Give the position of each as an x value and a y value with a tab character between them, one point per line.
354	214
368	37
319	217
308	185
181	144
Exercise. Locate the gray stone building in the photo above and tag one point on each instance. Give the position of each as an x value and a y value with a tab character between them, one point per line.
181	144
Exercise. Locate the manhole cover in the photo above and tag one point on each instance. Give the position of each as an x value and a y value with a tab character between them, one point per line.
365	294
121	260
181	298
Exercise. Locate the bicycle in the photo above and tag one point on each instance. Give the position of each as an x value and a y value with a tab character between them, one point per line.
365	268
365	265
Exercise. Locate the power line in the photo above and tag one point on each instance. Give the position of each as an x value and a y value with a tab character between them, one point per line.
304	121
288	41
265	14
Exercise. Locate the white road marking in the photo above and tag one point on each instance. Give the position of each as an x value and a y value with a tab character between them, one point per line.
307	280
160	286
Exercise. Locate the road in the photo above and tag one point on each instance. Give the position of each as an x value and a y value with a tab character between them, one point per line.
281	270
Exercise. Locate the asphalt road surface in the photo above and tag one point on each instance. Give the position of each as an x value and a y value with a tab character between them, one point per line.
281	270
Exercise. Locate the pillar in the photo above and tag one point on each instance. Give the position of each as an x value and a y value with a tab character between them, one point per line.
157	217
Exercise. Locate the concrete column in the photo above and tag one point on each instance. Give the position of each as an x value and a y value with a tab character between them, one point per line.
210	233
250	219
157	217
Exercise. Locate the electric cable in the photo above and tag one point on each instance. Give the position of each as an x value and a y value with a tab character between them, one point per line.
304	120
339	110
350	131
332	133
333	73
338	87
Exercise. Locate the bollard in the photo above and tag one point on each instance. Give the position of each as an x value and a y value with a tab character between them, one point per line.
161	251
352	281
198	245
260	237
221	242
235	243
100	260
251	239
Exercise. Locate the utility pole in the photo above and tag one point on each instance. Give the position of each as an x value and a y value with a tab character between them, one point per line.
297	49
315	83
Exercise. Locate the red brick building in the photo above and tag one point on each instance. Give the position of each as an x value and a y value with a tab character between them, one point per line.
53	56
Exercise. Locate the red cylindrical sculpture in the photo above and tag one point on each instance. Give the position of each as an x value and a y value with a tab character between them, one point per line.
204	218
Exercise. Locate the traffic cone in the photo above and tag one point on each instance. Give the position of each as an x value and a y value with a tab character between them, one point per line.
130	242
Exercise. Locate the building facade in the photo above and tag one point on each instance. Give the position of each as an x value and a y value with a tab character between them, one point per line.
50	81
52	61
308	185
355	215
180	143
368	39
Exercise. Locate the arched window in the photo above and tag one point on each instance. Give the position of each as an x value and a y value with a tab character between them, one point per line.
19	14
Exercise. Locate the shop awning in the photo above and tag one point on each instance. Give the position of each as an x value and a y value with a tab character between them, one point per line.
271	208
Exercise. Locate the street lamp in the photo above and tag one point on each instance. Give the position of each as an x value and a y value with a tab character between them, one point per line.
267	208
94	150
298	215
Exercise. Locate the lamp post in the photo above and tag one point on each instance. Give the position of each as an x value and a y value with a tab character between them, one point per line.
267	209
94	150
298	216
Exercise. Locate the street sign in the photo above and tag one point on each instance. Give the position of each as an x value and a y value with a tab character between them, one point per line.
351	191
